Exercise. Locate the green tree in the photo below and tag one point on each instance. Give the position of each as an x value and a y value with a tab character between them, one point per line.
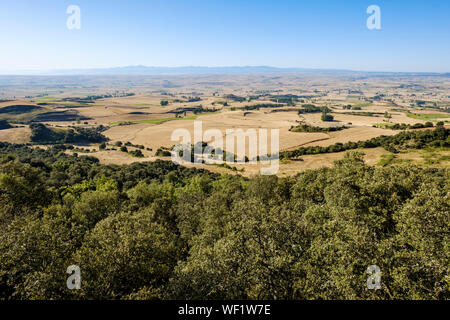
422	252
126	255
327	117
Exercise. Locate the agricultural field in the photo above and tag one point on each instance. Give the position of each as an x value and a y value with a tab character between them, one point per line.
143	112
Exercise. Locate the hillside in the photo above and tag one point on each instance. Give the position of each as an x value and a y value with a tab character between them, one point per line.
161	231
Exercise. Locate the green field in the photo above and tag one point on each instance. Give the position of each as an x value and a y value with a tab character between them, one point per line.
430	156
363	105
44	99
428	116
159	121
435	156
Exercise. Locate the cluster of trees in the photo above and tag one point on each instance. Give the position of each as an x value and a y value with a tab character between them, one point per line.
136	153
5	125
40	133
421	102
129	144
200	109
303	127
364	113
309	108
163	152
123	147
350	107
203	147
234	97
326	117
105	96
378	97
289	99
160	231
193	99
439	137
405	126
262	106
18	109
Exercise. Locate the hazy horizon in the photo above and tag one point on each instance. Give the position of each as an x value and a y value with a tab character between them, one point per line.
188	69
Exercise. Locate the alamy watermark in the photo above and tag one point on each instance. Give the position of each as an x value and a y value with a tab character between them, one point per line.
196	151
74	280
74	20
374	20
374	279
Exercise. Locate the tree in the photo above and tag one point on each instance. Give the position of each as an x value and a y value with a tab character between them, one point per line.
387	115
126	255
137	153
327	117
156	230
4	125
34	254
422	253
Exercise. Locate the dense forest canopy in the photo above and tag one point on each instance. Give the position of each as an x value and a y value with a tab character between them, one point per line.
156	230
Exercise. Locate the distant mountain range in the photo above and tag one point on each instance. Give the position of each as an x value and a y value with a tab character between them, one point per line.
144	70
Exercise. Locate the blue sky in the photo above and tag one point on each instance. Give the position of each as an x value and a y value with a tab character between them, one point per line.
414	35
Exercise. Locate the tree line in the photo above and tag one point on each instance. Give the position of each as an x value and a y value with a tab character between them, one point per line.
40	133
303	127
439	137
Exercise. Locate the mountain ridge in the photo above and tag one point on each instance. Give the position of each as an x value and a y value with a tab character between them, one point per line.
185	70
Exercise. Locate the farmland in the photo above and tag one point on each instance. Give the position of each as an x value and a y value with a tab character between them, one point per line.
145	111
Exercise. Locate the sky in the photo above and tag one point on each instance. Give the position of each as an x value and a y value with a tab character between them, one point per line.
328	34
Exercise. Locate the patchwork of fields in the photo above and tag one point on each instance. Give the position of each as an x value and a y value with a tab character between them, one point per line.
147	117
